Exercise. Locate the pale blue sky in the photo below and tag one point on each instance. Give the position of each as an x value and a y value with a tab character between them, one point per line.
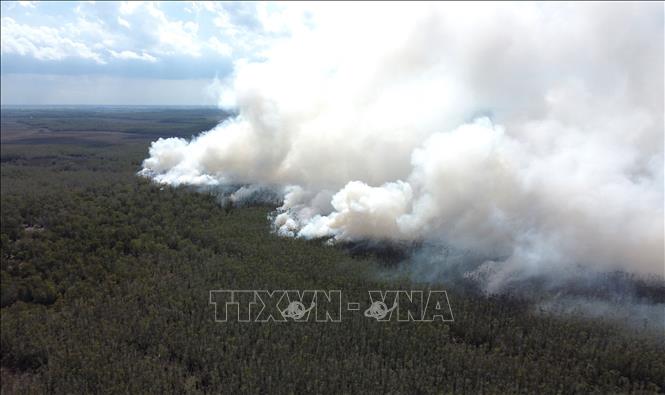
128	53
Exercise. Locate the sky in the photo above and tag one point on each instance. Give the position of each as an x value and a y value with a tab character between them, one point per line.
171	53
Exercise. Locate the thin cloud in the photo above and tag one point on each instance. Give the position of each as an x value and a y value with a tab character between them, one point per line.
131	55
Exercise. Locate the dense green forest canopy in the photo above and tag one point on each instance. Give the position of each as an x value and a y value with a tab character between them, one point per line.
106	280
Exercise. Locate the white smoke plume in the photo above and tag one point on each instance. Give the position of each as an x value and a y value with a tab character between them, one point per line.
529	133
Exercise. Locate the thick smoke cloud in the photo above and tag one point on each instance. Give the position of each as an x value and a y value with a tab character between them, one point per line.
528	134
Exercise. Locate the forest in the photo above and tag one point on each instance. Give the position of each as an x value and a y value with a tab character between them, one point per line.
105	281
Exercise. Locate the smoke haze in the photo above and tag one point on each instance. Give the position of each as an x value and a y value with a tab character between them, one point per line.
530	135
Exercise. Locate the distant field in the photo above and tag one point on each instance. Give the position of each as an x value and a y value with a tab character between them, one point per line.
103	125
